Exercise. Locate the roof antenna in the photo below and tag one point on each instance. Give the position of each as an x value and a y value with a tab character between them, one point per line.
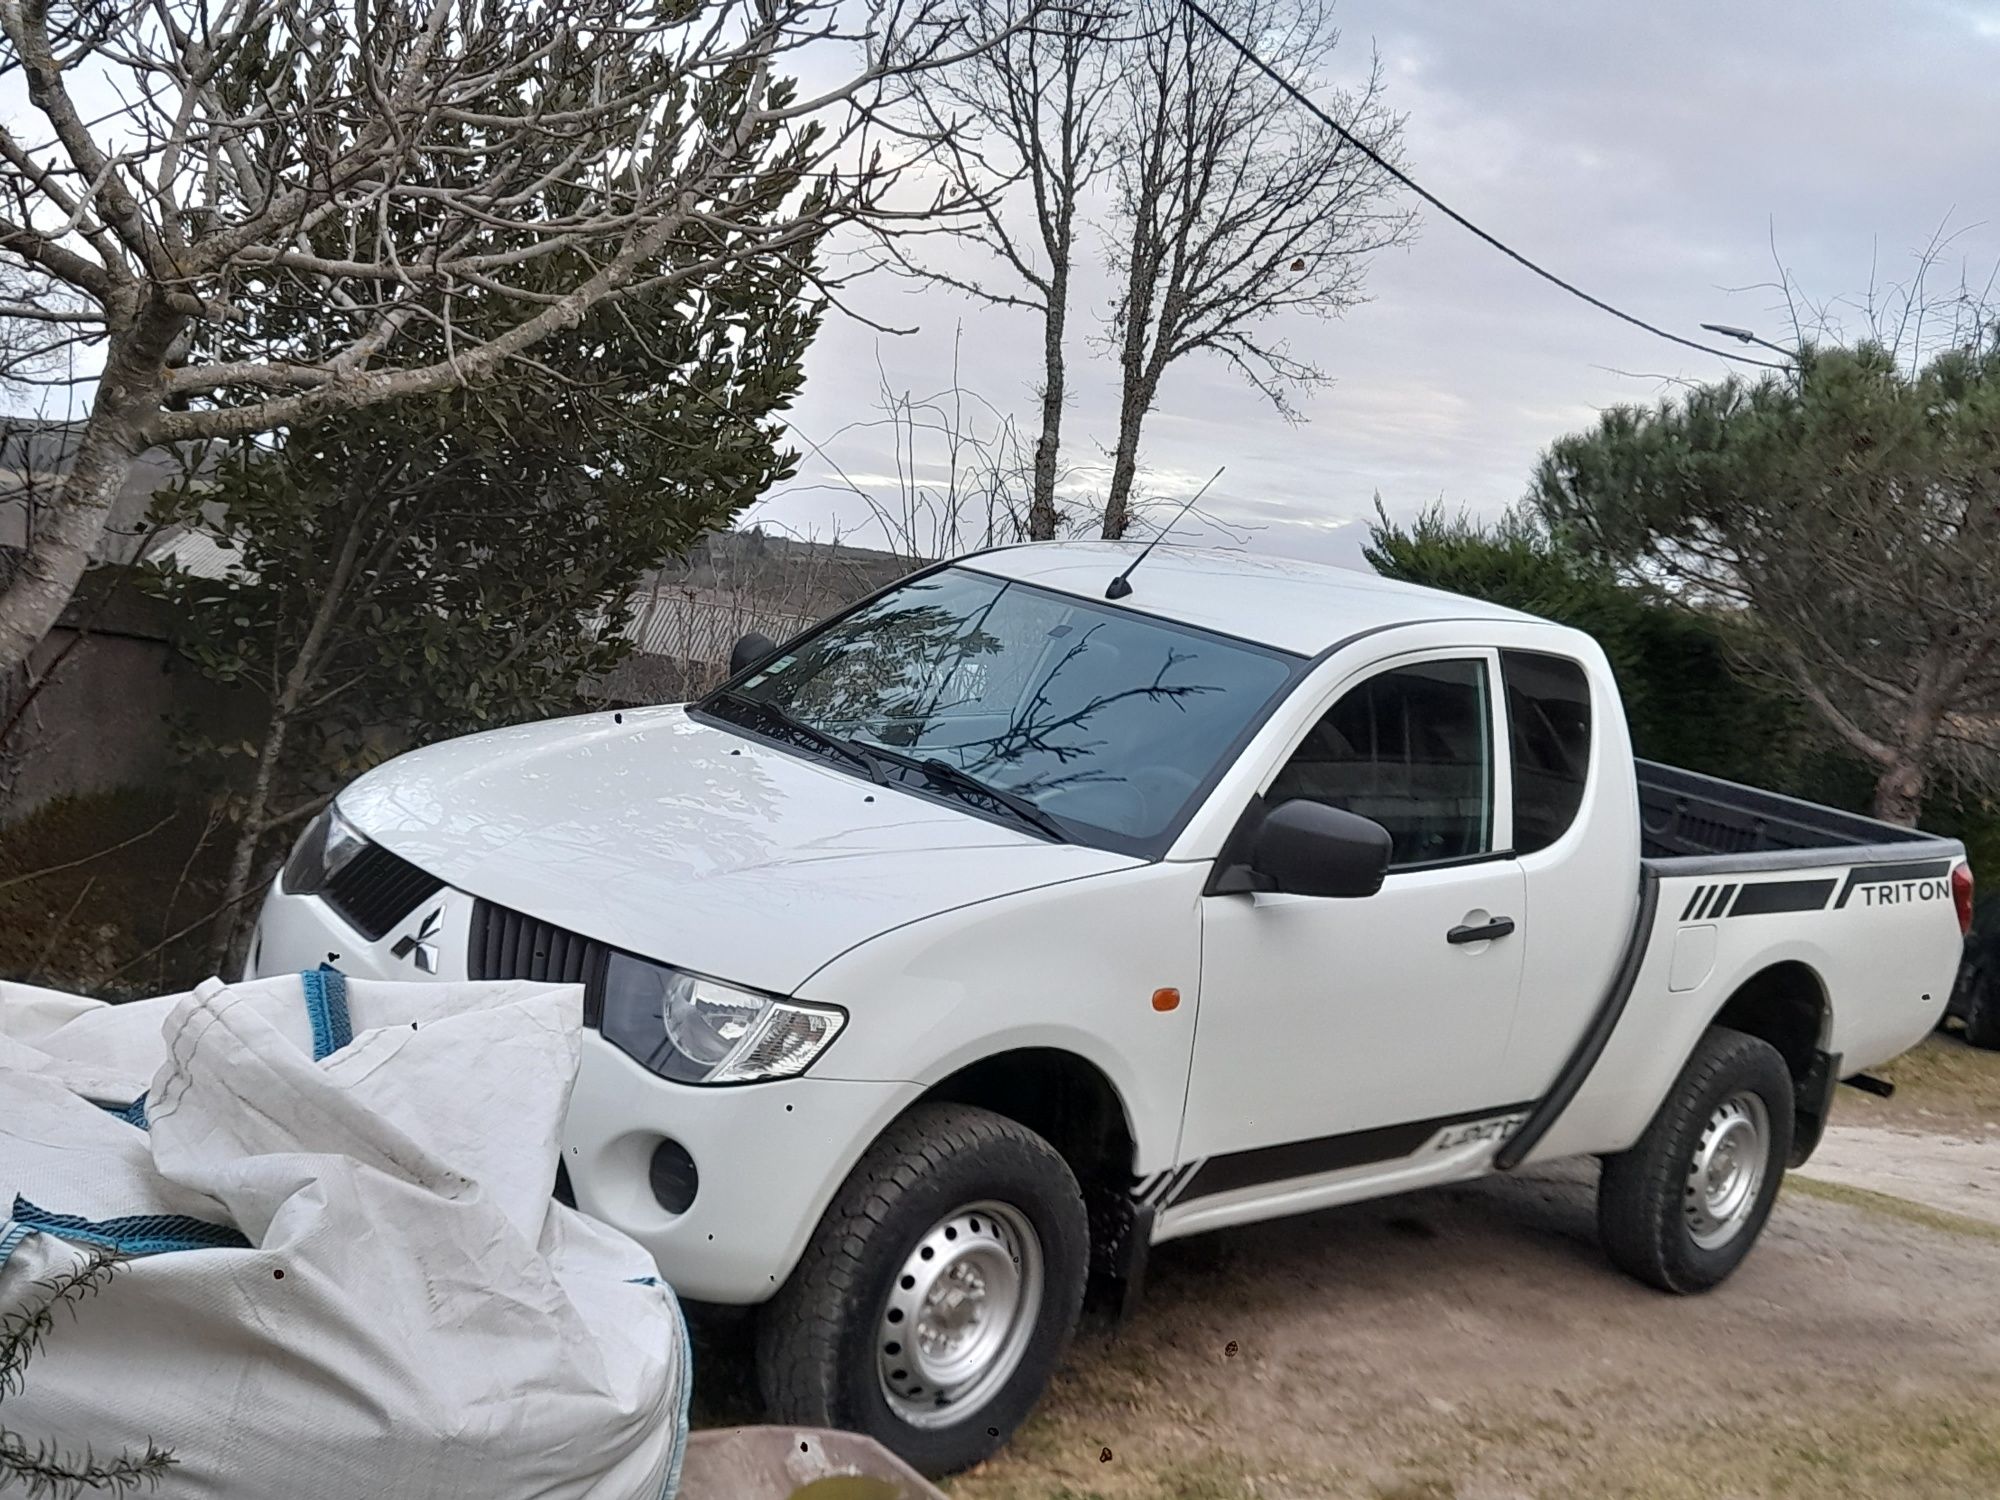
1120	586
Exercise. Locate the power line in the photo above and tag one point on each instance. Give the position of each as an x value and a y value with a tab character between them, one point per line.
1453	214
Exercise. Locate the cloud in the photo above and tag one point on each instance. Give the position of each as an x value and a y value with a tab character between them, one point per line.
1649	153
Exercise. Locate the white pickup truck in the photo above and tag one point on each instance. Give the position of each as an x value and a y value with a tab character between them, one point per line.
1016	920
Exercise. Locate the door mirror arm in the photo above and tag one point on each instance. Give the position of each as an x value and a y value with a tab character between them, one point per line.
1231	874
750	650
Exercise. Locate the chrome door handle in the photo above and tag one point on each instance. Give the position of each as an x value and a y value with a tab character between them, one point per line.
1499	927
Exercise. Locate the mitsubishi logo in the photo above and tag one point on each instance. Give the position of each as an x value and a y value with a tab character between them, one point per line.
420	944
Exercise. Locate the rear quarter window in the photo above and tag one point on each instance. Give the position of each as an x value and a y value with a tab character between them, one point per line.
1548	727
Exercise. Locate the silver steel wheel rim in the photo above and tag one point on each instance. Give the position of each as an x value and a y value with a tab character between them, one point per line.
961	1311
1727	1174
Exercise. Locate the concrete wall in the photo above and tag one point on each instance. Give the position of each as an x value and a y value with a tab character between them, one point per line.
104	720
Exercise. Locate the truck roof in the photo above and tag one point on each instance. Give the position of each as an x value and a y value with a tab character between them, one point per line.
1278	601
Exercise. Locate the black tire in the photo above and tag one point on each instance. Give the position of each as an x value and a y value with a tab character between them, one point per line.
1982	1008
818	1340
1644	1215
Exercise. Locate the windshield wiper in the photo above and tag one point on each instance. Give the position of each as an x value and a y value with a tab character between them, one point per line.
871	759
812	734
942	773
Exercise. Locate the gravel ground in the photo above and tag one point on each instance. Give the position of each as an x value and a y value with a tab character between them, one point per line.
1954	1174
1471	1343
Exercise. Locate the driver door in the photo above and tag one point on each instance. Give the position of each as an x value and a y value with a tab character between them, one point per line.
1336	1034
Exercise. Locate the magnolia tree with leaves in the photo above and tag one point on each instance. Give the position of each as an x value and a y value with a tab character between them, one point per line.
457	561
258	214
1843	520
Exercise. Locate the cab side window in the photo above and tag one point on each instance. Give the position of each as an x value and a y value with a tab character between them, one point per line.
1548	719
1411	749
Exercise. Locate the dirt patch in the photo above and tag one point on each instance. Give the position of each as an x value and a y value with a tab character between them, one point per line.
1943	1087
1472	1344
1951	1175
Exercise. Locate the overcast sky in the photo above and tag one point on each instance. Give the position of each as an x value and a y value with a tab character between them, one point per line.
1649	153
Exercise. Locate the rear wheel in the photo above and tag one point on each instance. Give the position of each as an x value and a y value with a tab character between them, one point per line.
1682	1208
938	1294
1982	1007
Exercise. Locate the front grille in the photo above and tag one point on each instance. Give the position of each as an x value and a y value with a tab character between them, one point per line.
507	945
376	889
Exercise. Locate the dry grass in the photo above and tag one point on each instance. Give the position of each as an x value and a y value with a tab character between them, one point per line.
1940	1447
1795	1405
1895	1208
1942	1084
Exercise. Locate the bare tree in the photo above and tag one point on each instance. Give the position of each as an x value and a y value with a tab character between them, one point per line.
1027	111
961	479
1234	206
1932	307
211	166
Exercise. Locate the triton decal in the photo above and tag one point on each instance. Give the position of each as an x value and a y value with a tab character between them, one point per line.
1877	885
1890	885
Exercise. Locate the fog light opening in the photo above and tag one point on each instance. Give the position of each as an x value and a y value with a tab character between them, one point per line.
673	1177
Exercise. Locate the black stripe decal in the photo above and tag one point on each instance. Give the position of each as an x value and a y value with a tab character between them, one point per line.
1783	895
1180	1181
1329	1153
1717	894
1930	869
1687	912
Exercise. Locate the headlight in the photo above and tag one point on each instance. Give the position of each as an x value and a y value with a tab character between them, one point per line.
329	843
695	1030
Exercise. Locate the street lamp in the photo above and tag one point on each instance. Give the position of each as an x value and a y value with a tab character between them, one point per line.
1745	336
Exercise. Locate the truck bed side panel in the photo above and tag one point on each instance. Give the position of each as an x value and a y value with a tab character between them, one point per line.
1874	928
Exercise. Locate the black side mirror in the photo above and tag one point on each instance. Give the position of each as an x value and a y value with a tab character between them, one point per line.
1309	849
752	649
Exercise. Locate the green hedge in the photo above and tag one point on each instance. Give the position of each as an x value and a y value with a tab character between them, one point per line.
1687	701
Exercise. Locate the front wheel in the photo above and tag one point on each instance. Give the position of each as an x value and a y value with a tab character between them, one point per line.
938	1294
1682	1208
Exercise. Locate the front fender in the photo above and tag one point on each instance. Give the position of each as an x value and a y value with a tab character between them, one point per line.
1073	967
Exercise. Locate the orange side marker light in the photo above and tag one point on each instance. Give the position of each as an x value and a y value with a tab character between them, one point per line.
1165	1000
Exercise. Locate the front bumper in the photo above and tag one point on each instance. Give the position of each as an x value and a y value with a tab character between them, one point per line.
769	1155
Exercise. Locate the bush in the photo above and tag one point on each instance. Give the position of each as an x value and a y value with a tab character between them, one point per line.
1687	699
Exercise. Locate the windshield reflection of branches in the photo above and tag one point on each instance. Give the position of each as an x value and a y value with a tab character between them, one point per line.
1037	725
1103	719
883	668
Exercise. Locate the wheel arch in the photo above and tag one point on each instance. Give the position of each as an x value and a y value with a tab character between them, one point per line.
1787	1005
1073	1104
1062	1096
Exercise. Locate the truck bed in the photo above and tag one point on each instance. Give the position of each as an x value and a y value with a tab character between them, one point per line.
1695	824
1692	826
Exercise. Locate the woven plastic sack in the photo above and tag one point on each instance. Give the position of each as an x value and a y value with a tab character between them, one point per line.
340	1271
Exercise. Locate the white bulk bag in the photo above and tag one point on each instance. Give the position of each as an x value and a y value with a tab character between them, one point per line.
345	1276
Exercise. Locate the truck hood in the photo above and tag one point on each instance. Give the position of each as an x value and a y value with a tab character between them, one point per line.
693	844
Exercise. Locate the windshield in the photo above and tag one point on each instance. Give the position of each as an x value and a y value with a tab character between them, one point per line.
1109	722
